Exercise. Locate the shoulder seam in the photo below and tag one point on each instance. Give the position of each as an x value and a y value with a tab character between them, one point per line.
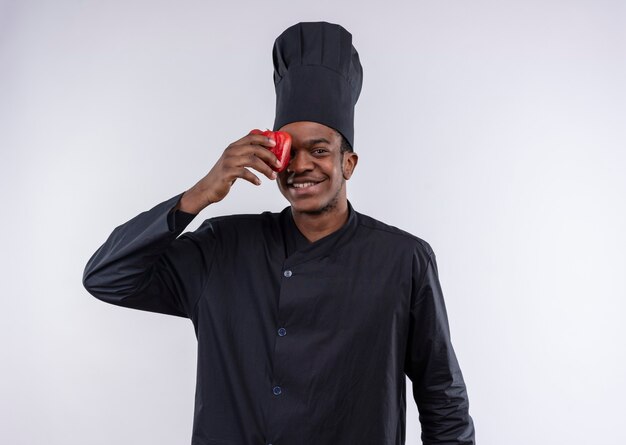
401	233
428	264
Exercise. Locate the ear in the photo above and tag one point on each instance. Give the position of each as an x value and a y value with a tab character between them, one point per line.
350	159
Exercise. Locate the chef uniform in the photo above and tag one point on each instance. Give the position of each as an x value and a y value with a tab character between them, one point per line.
299	343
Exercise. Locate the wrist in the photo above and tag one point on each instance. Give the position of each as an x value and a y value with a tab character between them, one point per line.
191	202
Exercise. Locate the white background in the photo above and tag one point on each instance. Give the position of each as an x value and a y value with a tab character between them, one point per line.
495	130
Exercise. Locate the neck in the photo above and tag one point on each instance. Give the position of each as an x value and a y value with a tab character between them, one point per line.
315	226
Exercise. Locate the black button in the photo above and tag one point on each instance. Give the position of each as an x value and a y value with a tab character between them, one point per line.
282	332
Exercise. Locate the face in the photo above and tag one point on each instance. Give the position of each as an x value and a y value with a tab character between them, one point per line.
314	181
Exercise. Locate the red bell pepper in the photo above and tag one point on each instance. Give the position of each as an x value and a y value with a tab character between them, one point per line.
282	149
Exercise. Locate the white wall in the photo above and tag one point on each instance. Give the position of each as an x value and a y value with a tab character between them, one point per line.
495	130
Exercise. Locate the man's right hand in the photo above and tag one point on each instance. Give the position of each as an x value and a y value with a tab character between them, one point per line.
249	151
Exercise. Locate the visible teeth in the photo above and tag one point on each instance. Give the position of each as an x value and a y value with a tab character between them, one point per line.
304	184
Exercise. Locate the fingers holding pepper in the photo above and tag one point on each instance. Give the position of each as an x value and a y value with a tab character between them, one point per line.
260	151
281	148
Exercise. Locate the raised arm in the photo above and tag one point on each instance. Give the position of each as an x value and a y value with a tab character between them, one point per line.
144	264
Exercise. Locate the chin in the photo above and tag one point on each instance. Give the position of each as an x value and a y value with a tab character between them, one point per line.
314	207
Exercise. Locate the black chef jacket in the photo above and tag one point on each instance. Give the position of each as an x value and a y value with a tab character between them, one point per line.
298	343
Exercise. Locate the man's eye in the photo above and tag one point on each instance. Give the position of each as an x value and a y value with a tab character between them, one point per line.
319	151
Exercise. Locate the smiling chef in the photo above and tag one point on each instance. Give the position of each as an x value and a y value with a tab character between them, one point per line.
308	320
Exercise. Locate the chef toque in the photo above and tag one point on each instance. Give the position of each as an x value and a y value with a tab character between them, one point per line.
317	76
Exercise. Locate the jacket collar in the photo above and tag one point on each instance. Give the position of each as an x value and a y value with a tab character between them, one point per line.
299	249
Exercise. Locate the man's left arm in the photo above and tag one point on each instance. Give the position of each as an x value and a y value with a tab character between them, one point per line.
431	364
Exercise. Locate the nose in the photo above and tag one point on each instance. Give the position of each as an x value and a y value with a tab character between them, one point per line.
299	162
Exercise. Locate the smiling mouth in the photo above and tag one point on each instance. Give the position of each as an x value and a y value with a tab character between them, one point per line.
304	185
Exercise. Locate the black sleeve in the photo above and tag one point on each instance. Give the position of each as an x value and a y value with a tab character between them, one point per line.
178	220
143	265
431	364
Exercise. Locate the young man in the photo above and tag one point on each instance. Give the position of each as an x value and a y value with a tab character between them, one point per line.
309	319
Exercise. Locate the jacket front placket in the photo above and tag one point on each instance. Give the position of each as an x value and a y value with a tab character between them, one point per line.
298	332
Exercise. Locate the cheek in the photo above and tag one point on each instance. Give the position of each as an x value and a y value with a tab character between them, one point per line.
281	183
341	170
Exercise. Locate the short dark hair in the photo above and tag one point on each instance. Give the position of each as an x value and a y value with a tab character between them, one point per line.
345	145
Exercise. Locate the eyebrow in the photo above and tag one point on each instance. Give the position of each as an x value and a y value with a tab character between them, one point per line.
312	142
